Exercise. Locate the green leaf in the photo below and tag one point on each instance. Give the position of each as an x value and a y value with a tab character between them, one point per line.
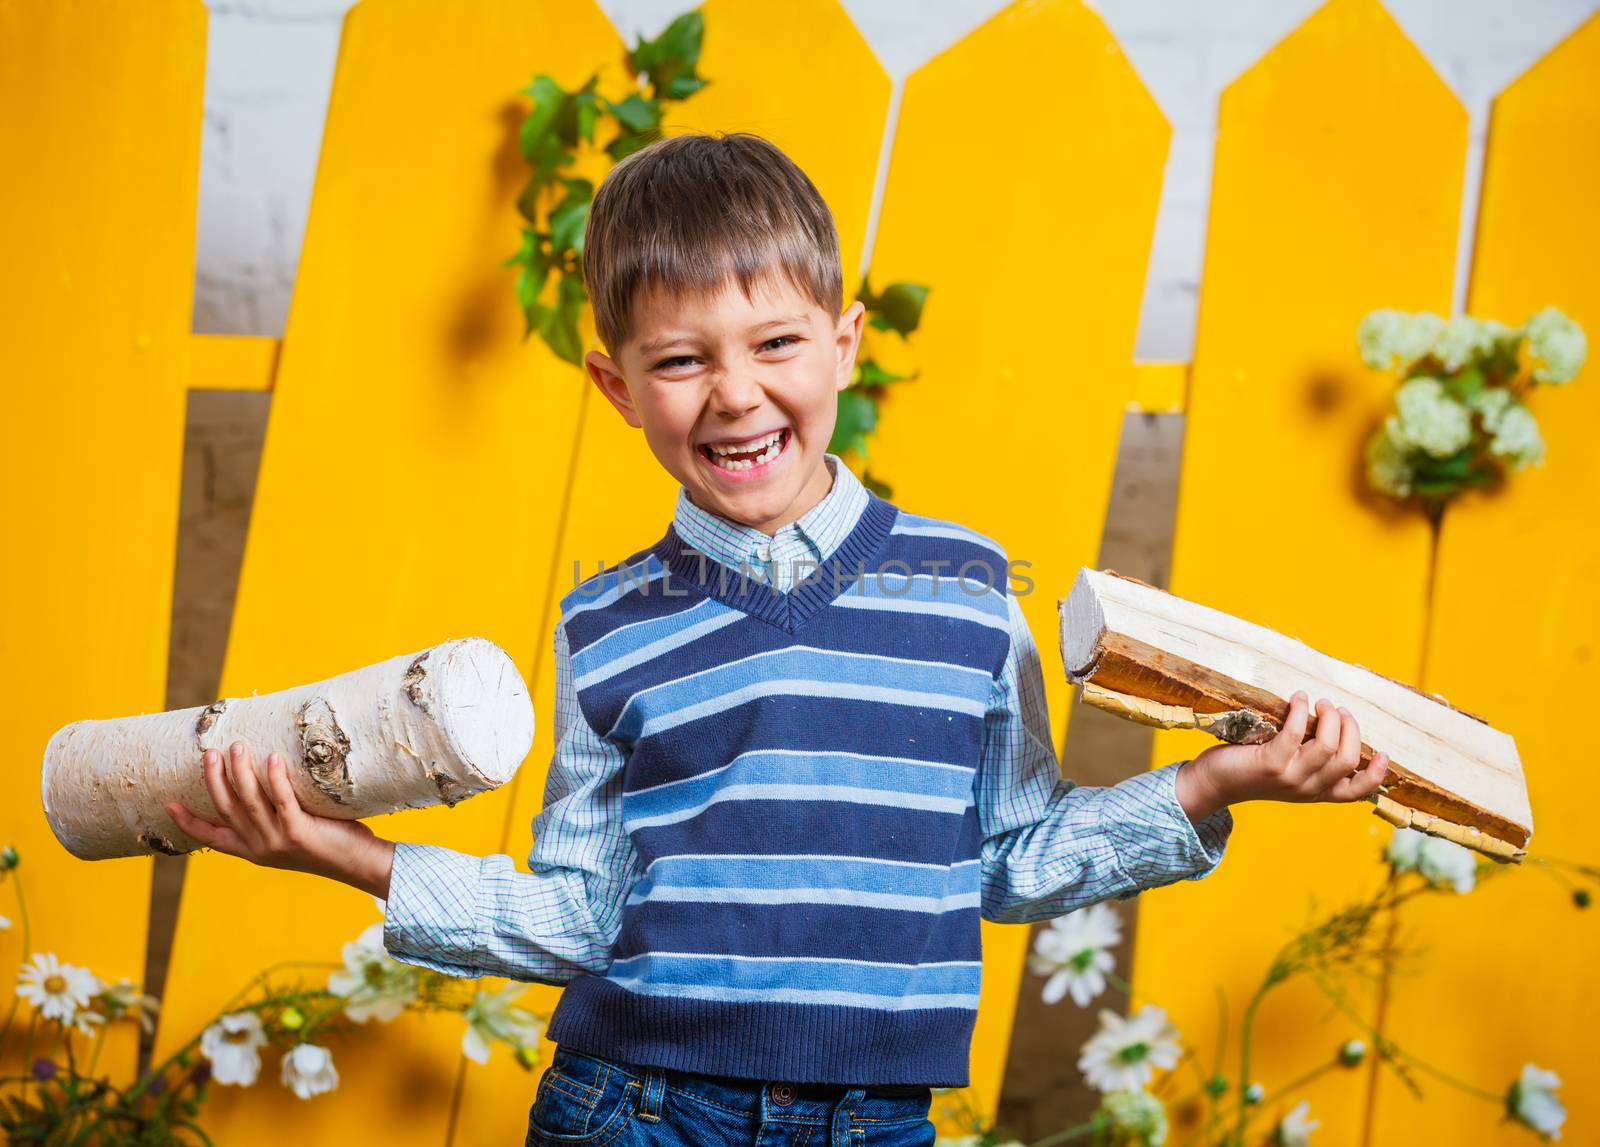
636	113
547	99
857	417
1465	383
901	304
869	373
567	223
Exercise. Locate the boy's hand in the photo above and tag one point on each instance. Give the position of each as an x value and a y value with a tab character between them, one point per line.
1288	767
268	826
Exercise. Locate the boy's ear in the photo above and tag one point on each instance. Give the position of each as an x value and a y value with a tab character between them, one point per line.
609	379
847	338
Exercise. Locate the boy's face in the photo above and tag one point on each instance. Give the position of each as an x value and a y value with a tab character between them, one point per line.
725	371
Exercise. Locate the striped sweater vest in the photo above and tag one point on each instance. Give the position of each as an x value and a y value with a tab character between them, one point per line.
799	790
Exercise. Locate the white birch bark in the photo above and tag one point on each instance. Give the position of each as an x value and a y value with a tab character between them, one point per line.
421	729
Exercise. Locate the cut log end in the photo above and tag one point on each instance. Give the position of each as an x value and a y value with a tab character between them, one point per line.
482	703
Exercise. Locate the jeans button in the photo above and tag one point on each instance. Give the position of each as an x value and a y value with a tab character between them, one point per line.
781	1093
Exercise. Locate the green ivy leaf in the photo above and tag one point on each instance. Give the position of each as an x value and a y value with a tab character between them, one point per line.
869	373
637	113
857	417
901	304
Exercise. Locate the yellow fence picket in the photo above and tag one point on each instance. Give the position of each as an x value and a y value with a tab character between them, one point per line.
1336	190
94	312
410	489
1516	631
1031	225
620	498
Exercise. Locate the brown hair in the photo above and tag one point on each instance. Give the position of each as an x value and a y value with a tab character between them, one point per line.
685	211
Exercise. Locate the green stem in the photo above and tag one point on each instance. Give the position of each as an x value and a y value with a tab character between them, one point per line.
1063	1136
22	914
1246	1031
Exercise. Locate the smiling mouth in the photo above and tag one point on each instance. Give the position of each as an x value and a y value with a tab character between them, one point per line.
748	455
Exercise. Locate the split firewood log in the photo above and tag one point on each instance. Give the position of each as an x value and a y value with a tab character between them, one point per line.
1155	658
420	729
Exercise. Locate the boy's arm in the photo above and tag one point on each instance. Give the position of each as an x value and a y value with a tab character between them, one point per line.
1051	845
471	916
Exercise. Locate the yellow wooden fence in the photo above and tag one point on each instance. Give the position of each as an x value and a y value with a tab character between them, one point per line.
427	474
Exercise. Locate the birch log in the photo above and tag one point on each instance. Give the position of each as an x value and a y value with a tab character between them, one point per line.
420	729
1155	658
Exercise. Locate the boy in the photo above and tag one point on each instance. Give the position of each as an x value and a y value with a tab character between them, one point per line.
802	743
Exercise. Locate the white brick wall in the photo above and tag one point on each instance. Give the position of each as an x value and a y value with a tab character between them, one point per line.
270	65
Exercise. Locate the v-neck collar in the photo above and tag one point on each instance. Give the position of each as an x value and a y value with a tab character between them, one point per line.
788	611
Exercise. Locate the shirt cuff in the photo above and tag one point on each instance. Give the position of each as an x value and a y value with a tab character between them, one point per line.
430	918
1156	843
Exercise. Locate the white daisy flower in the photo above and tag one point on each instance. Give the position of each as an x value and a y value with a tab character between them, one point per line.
1557	343
230	1044
1294	1129
4	923
492	1016
1074	952
124	997
1121	1056
375	983
59	991
1532	1101
308	1068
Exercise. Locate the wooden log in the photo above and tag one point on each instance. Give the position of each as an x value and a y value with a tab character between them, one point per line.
1152	657
420	729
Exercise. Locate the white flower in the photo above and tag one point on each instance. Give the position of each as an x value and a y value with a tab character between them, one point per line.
1074	952
57	990
124	996
1517	438
230	1044
1294	1129
1427	418
1446	862
1441	861
1465	338
375	983
1121	1055
4	923
1532	1101
1388	464
1558	343
1352	1051
491	1016
1138	1114
1394	338
309	1069
1253	1093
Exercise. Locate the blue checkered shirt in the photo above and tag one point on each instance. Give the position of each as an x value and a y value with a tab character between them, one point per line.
1050	845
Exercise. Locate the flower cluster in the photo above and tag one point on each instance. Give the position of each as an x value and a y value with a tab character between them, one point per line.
1074	954
1459	419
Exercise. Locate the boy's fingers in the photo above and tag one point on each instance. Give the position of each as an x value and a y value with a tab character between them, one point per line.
1364	783
1327	726
282	791
1294	727
217	785
1348	757
208	833
247	784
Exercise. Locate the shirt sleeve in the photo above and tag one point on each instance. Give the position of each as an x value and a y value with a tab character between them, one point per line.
1050	845
471	916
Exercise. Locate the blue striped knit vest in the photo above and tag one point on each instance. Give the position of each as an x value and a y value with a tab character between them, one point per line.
799	790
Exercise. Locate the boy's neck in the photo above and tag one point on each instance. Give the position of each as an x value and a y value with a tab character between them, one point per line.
810	495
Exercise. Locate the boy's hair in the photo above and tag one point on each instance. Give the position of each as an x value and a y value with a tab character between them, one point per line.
684	212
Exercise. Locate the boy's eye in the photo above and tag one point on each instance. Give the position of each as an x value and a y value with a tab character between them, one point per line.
668	362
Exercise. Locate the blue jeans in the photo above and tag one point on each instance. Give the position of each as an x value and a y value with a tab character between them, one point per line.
586	1101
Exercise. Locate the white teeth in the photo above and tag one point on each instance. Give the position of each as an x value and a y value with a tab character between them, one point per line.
773	443
746	447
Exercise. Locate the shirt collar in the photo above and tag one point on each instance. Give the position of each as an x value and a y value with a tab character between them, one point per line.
823	526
